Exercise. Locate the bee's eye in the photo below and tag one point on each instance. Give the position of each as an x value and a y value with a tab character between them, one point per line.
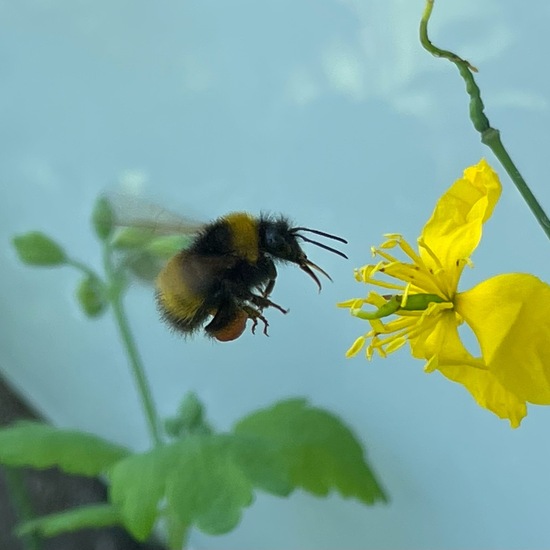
275	241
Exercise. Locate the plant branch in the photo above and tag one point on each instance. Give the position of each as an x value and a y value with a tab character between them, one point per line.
489	136
116	290
22	505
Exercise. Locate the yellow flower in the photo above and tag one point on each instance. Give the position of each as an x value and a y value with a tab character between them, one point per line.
508	314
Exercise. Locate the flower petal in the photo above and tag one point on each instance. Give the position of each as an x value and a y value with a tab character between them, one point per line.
488	392
439	343
446	353
510	315
454	229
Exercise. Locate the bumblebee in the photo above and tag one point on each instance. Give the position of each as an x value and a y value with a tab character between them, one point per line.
227	274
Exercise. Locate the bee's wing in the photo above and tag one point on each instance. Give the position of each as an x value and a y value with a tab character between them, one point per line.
136	212
147	234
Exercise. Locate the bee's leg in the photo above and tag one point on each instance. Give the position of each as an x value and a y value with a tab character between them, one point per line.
269	275
256	314
261	302
268	288
272	271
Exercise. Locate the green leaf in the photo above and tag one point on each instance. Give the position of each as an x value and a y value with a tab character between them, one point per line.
42	446
203	480
189	419
91	296
36	248
138	483
264	463
321	453
131	238
103	218
209	488
95	515
163	246
167	246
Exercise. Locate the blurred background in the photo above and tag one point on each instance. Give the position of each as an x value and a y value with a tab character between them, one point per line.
328	111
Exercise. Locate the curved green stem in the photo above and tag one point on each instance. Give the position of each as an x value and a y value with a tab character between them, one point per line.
82	267
116	291
489	136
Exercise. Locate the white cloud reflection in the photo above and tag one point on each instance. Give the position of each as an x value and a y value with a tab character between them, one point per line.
383	58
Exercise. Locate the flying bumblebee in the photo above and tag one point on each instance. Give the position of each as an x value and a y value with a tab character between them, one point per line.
226	274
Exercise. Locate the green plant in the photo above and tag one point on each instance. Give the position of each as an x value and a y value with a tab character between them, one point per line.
192	476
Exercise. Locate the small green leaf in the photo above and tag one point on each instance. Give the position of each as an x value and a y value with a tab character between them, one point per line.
90	294
103	218
159	246
320	451
131	238
190	418
204	480
191	410
167	246
95	515
36	248
42	446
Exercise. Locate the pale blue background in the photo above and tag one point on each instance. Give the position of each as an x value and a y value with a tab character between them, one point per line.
330	112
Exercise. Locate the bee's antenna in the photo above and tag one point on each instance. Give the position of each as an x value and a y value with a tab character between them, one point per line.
324	245
317	232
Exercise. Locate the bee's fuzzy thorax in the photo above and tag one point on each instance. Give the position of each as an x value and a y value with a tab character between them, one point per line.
244	235
234	234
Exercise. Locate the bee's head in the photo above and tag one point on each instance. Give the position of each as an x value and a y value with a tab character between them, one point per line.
282	241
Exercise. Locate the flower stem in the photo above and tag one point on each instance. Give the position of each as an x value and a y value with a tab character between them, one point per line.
489	136
21	503
116	290
83	268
